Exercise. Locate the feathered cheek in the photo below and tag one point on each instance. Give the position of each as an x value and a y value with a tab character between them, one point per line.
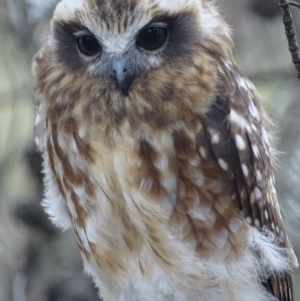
184	86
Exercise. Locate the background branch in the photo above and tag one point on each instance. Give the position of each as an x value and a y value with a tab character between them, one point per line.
290	32
292	3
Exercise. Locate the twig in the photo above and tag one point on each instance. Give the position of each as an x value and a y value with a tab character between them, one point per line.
290	32
292	3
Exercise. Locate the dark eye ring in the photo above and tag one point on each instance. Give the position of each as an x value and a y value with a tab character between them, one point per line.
152	38
88	45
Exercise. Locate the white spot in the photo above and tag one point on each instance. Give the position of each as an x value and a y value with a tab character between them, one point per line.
195	161
61	141
254	128
37	141
169	182
249	220
258	176
264	135
257	192
162	163
273	190
272	183
245	170
243	83
266	214
202	152
81	132
228	65
273	226
223	164
254	111
37	119
255	150
239	121
215	138
240	143
257	223
277	229
204	214
78	190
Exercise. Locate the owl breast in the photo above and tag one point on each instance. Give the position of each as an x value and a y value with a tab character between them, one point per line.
148	209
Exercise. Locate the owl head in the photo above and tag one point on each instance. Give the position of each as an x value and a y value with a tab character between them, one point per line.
132	57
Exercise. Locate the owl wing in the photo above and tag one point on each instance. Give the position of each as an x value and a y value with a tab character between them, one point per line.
242	150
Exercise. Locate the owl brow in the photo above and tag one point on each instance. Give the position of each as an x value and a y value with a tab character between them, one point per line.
74	28
165	19
161	19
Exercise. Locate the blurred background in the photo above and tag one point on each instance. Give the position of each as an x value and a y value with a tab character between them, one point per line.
39	262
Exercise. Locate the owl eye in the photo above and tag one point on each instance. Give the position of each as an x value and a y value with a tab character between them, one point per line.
88	45
152	38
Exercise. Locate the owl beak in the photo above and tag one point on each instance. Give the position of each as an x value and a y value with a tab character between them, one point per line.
122	74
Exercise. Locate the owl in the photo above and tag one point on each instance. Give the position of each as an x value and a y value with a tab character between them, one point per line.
156	154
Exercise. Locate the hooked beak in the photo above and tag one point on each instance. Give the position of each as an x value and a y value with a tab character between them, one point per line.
122	74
